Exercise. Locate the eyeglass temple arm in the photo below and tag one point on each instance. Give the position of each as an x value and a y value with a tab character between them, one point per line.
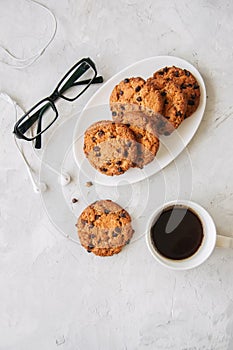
96	80
39	128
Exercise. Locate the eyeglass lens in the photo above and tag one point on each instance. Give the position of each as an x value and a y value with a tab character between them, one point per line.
77	80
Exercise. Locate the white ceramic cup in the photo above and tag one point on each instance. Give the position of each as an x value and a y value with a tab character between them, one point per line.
210	238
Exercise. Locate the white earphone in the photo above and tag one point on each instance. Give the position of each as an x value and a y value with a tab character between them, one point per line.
12	60
38	187
65	179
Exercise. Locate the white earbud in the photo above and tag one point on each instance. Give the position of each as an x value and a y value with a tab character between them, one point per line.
42	187
65	179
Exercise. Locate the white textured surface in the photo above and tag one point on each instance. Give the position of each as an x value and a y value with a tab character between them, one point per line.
52	294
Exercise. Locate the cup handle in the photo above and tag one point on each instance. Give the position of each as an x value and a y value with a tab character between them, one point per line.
224	241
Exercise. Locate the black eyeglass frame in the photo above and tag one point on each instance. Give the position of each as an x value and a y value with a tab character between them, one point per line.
19	130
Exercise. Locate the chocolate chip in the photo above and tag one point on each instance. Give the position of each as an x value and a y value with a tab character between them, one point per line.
122	107
167	133
120	170
119	162
139	136
97	217
161	72
84	222
127	242
118	150
163	93
106	211
165	69
112	136
108	162
178	114
190	85
129	143
123	215
118	230
121	92
101	133
166	102
128	125
96	148
114	113
98	154
125	154
167	117
191	102
161	123
193	96
138	88
91	226
104	170
114	234
126	80
90	247
93	138
183	86
187	73
176	73
196	86
139	99
74	200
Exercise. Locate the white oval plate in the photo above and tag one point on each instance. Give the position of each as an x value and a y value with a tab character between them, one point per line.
170	146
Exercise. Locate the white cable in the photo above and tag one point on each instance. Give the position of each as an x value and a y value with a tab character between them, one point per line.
37	187
64	178
36	55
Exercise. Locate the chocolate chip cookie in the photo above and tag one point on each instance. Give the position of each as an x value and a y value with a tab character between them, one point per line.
186	81
110	147
175	105
133	92
104	228
144	128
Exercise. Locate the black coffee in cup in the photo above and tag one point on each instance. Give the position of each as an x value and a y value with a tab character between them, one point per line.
177	233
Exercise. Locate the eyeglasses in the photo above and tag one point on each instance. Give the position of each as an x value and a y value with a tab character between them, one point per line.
41	116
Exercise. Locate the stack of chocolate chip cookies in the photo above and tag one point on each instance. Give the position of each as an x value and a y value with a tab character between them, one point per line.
142	111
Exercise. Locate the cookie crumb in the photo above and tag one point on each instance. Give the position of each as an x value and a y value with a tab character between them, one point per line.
89	184
74	200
